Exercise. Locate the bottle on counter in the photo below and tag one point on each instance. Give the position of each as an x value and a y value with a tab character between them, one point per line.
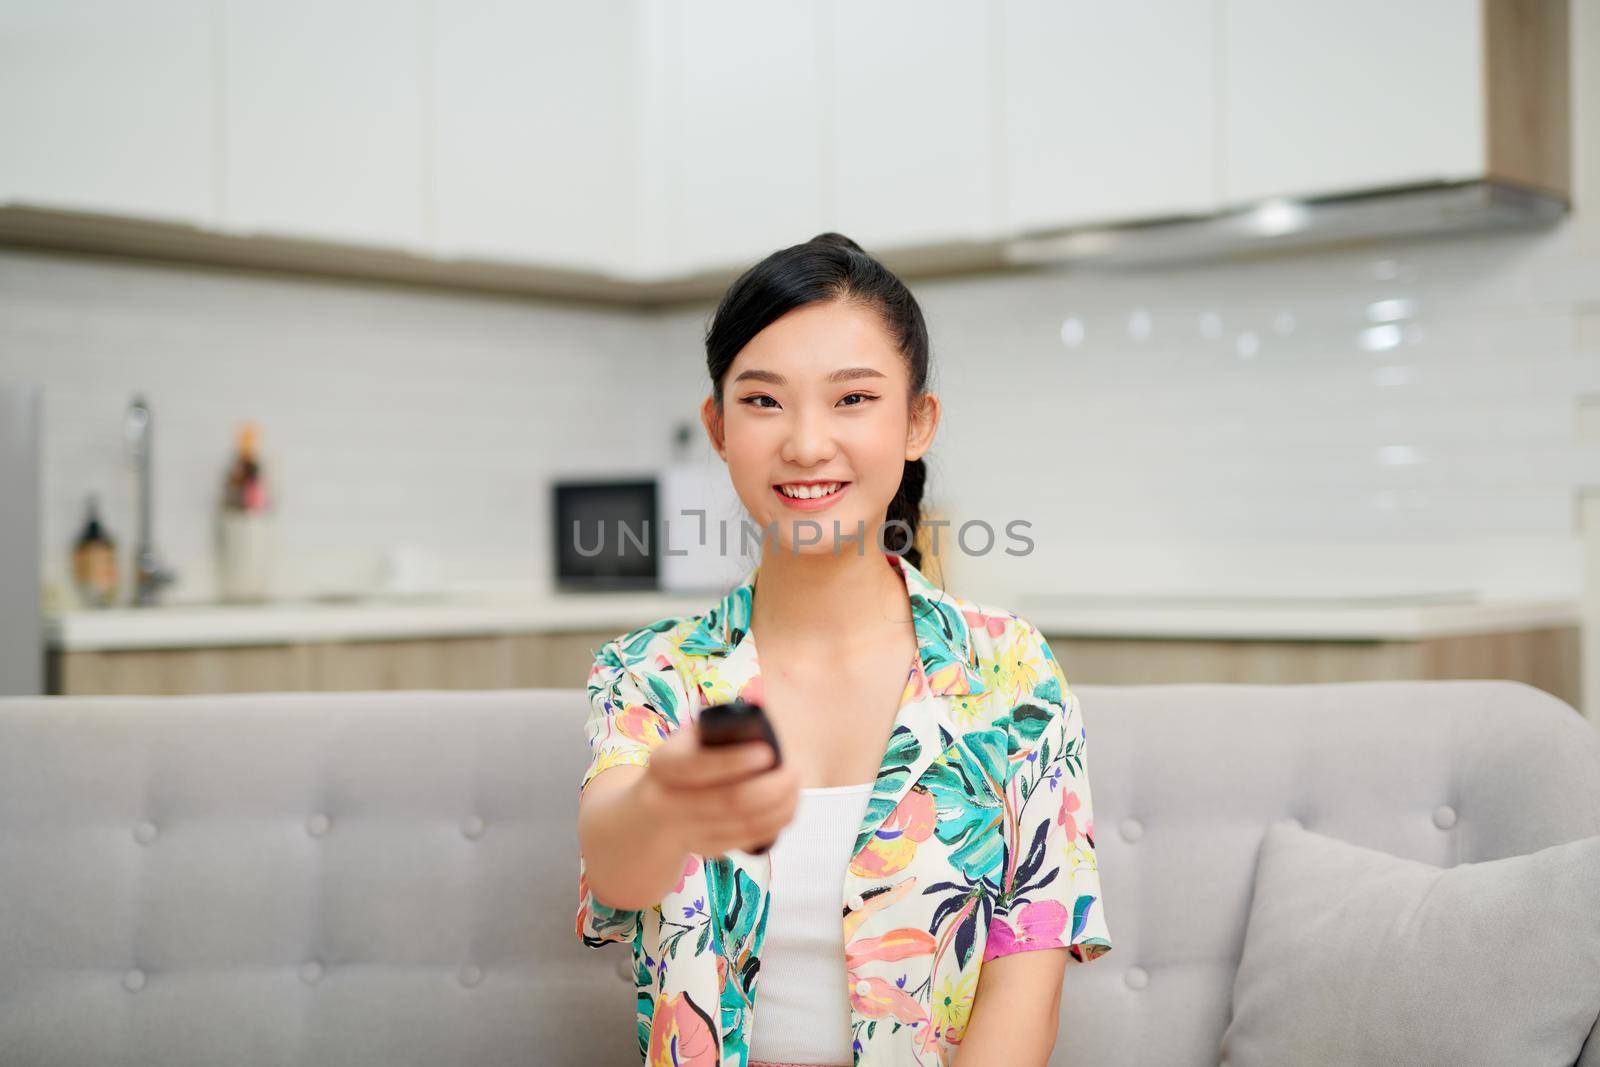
94	561
244	526
247	488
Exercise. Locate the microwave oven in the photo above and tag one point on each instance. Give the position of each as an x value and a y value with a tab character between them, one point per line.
606	534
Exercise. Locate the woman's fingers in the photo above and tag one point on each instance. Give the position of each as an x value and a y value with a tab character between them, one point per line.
741	814
681	762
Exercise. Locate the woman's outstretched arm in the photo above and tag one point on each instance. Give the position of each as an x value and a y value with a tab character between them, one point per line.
631	855
1016	1010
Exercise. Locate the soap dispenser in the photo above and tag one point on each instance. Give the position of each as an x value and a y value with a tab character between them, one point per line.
94	561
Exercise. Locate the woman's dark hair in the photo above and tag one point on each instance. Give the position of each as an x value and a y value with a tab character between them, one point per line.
830	266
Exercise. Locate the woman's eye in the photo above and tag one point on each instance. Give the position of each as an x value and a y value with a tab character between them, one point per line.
756	400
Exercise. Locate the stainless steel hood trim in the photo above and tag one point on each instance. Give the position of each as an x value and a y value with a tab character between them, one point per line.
1275	225
1438	209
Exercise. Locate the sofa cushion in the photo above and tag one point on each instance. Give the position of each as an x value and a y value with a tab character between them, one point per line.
1354	956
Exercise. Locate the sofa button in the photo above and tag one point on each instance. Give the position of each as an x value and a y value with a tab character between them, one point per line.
471	975
311	972
1136	977
472	827
1444	816
318	824
1131	830
145	832
133	981
863	988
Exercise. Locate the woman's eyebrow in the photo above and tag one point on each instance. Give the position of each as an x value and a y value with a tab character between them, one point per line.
844	374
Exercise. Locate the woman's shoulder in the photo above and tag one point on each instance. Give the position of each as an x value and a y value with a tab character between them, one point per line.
656	645
664	636
993	630
1008	649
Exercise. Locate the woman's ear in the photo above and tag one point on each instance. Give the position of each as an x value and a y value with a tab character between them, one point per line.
711	418
924	423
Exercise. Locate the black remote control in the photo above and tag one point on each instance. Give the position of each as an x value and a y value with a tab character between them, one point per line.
734	723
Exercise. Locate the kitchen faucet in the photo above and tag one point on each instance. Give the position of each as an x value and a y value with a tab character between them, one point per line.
149	575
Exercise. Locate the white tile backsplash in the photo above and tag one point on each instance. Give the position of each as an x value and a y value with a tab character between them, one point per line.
389	415
1161	459
1165	457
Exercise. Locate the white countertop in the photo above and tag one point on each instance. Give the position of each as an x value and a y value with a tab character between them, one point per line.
1293	619
1172	617
378	618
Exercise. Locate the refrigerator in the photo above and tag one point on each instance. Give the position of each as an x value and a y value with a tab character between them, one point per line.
21	626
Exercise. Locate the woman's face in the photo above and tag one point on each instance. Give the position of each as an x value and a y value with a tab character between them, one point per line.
820	395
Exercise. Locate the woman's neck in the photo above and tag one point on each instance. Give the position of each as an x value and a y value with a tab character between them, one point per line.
824	601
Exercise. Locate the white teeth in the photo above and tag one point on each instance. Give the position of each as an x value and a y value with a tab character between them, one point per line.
809	492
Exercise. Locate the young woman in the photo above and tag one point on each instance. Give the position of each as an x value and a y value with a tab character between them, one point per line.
933	871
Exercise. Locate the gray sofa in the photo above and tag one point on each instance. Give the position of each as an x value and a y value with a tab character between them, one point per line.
390	879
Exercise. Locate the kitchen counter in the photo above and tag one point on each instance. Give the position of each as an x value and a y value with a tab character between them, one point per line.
1195	618
309	621
1293	619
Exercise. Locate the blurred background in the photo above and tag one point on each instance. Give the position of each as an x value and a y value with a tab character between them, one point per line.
1277	321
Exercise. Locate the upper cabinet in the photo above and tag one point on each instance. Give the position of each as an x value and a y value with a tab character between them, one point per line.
534	148
737	104
110	107
1323	98
322	108
1329	98
645	148
912	127
1108	112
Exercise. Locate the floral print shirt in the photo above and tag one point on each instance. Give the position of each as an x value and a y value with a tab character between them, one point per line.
977	842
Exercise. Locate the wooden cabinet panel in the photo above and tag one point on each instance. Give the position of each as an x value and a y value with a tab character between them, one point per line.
1547	659
172	672
455	663
566	658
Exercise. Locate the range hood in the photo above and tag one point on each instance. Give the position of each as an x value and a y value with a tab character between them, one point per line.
1276	225
1270	226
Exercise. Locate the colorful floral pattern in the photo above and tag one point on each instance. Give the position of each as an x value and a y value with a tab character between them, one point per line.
977	841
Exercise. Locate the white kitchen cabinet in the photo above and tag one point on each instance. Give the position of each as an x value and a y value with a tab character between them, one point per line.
740	107
673	140
1108	112
322	104
107	106
535	147
1324	98
912	153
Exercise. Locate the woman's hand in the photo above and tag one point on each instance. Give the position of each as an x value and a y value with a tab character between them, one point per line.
713	799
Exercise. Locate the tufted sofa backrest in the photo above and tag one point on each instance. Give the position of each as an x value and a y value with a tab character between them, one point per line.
391	878
1186	778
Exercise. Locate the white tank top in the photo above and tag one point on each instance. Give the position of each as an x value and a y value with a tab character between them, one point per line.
802	1006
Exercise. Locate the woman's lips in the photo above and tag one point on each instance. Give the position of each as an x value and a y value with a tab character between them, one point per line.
811	503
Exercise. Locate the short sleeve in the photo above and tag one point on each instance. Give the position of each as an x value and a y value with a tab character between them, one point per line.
634	703
1050	894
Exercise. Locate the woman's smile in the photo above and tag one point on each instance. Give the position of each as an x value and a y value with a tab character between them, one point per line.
810	503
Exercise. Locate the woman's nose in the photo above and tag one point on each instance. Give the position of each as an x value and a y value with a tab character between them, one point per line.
810	441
